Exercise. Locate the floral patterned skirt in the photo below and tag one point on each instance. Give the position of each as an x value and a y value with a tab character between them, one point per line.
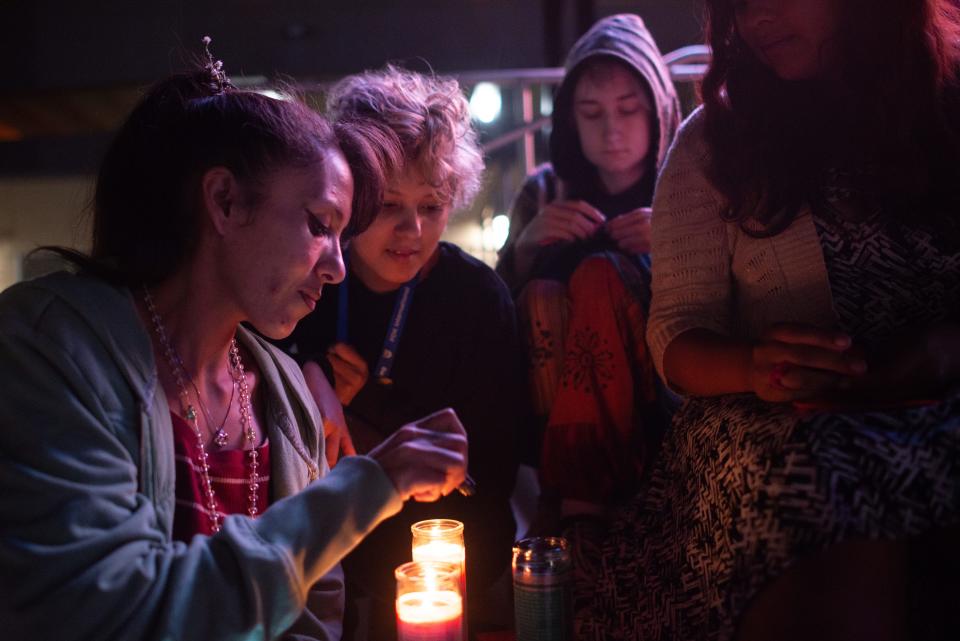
592	378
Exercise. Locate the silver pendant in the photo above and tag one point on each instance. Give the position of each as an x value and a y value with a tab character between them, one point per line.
220	438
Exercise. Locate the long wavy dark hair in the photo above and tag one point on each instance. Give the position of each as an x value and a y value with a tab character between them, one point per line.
893	106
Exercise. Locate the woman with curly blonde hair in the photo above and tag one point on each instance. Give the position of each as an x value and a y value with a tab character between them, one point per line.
420	324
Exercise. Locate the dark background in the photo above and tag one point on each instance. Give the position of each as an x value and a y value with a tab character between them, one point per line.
58	44
70	71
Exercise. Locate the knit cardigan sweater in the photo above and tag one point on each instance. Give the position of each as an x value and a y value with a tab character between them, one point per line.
710	274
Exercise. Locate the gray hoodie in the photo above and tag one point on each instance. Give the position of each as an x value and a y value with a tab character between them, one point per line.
625	38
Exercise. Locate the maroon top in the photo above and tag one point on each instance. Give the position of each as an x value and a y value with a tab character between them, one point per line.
229	475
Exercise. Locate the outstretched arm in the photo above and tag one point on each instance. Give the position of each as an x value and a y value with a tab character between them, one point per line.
85	549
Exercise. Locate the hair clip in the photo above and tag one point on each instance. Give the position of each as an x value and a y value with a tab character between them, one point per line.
215	67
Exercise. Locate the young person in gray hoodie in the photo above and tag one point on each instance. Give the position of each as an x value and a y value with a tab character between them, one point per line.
577	259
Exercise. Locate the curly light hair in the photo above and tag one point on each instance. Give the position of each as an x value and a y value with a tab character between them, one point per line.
427	116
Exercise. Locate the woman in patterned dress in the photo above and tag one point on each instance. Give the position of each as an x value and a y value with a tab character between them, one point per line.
806	280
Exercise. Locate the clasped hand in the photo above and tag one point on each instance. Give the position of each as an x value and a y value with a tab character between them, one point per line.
566	221
795	362
425	459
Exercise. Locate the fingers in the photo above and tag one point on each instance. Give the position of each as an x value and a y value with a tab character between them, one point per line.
421	468
585	209
637	216
430	489
337	442
812	381
782	367
445	420
802	334
560	221
631	231
331	446
346	371
426	459
437	450
786	383
823	359
348	355
440	486
564	223
796	361
811	347
443	435
634	220
346	443
436	483
448	456
350	371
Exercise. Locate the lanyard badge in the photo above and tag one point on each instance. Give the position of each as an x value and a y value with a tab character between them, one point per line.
398	319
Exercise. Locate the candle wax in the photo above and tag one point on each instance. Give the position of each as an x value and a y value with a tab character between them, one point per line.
439	551
444	551
430	616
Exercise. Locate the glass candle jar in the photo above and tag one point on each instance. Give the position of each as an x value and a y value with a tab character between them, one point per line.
442	540
438	540
429	602
542	598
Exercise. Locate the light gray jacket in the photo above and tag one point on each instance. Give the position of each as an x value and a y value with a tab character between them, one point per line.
87	489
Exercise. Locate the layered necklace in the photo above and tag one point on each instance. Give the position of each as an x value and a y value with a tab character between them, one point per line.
181	377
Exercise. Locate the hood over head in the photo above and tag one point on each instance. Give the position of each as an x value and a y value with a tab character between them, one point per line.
623	37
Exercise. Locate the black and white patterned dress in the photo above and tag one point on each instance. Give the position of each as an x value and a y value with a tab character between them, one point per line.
744	488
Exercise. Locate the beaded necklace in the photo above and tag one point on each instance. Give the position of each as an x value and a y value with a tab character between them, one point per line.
190	413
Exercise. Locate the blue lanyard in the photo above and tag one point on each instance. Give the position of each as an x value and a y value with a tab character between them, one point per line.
398	319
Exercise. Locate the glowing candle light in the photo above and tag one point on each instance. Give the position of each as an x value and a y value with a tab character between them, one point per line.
429	603
439	551
439	540
442	540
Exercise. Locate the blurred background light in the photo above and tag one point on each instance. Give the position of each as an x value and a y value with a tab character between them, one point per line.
486	102
494	232
501	229
546	101
270	93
